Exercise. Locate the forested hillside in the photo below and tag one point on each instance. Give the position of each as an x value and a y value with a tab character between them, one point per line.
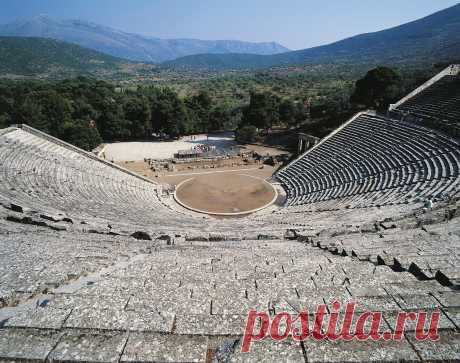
39	57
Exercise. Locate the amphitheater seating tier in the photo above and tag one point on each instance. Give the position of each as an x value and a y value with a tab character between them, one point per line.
77	283
83	297
439	101
372	161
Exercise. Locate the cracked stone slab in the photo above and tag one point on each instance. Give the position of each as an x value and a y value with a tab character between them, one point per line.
359	351
164	348
448	299
116	319
228	289
42	318
454	315
89	347
300	279
27	344
104	319
231	305
330	294
411	325
150	321
210	324
291	306
447	349
355	269
268	350
415	288
221	284
110	286
330	278
160	285
413	302
386	275
376	303
273	293
171	304
364	290
296	305
73	301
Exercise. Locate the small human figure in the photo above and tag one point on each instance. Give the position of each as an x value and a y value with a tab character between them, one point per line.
428	205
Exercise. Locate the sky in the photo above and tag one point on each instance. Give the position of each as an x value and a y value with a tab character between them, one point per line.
296	24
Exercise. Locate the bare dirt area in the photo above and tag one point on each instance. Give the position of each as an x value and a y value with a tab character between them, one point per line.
175	177
139	167
264	150
254	170
225	192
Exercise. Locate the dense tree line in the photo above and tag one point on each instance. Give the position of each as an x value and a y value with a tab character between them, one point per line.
85	111
266	110
377	89
321	115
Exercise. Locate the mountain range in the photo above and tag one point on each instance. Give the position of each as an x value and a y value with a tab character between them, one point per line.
127	45
419	42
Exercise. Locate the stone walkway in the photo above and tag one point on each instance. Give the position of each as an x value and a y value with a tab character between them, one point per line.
187	302
130	151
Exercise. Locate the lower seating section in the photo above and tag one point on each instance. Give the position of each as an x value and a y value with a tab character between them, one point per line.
425	243
374	161
189	301
440	101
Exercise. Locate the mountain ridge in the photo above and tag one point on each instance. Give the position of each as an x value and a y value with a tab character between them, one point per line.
418	38
127	45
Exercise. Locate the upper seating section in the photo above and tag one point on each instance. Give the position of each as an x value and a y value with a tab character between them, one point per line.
47	176
435	104
371	161
440	101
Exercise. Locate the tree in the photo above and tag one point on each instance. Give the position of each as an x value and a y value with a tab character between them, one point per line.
83	110
80	134
138	114
263	110
6	104
246	134
169	114
5	120
199	107
288	112
301	113
222	117
379	87
29	111
111	121
56	111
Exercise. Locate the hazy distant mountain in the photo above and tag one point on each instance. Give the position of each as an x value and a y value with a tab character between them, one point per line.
429	39
43	58
126	45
